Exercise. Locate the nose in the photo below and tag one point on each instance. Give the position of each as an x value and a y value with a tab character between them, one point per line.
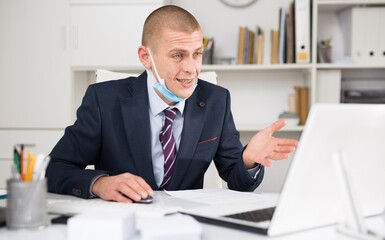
190	65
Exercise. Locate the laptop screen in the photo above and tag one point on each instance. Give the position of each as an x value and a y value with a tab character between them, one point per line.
313	193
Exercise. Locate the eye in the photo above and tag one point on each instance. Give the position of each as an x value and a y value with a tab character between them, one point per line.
177	56
197	54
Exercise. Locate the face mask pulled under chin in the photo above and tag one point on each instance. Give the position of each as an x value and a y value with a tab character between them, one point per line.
162	89
161	86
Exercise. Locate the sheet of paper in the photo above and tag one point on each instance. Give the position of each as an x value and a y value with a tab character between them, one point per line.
220	196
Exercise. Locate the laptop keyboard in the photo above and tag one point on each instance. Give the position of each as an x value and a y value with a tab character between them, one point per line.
254	216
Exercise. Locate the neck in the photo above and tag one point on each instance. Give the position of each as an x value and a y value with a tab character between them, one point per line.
165	99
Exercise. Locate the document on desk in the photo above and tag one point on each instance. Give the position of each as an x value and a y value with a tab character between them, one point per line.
3	193
3	196
221	196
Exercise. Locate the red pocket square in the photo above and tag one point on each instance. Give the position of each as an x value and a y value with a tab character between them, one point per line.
208	140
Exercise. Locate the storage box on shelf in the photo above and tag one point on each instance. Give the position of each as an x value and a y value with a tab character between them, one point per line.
356	50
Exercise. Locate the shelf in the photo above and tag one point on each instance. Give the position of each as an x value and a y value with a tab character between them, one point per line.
249	67
259	127
246	67
124	68
253	67
338	5
110	2
349	66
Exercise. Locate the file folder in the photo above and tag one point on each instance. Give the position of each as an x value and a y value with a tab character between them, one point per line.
302	31
382	36
365	31
364	28
282	28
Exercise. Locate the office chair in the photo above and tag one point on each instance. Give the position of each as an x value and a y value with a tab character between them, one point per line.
211	177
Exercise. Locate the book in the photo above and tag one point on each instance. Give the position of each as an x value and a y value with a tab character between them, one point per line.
296	88
274	46
281	48
292	104
246	49
259	53
241	45
302	103
250	52
290	34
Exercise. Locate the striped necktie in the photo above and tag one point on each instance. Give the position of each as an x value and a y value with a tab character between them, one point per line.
168	144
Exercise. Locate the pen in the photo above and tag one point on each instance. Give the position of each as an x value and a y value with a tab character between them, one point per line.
16	160
32	167
43	167
22	162
26	178
40	166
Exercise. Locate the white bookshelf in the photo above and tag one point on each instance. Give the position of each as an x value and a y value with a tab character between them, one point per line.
349	66
207	67
255	67
266	83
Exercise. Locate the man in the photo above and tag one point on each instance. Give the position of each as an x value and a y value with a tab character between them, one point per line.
162	129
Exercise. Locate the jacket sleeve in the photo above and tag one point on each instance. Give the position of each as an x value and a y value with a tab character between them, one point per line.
79	147
228	158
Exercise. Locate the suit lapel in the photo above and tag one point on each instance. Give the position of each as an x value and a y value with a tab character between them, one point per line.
192	127
135	115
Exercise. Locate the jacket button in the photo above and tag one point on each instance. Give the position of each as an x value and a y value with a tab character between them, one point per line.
202	104
77	191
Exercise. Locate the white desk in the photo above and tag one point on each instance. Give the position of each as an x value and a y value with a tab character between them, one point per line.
58	231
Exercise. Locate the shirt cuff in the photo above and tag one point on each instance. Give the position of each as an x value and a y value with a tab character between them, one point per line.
253	172
92	184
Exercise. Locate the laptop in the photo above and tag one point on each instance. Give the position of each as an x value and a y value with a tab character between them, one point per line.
313	194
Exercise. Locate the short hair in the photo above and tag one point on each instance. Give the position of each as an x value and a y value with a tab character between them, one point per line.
171	17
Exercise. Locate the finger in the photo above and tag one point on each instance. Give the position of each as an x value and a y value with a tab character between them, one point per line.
279	156
286	142
120	198
276	126
284	149
145	186
135	186
266	163
128	191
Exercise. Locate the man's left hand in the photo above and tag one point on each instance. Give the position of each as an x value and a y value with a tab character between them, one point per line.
263	147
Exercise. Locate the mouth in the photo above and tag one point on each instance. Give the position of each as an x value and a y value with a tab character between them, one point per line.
185	81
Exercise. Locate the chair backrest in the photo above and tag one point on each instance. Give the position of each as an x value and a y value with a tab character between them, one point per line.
211	178
105	75
102	75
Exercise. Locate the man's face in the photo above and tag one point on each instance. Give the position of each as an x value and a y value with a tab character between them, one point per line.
178	59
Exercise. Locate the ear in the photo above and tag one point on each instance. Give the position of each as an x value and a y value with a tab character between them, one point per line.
144	57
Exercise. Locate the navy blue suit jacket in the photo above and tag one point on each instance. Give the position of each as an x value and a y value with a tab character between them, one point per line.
112	132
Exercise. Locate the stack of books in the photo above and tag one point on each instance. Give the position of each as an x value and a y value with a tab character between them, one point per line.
250	46
289	44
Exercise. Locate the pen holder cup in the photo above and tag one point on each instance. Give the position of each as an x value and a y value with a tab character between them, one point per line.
324	54
26	204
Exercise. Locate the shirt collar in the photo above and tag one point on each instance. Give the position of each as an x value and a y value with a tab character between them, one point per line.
157	105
